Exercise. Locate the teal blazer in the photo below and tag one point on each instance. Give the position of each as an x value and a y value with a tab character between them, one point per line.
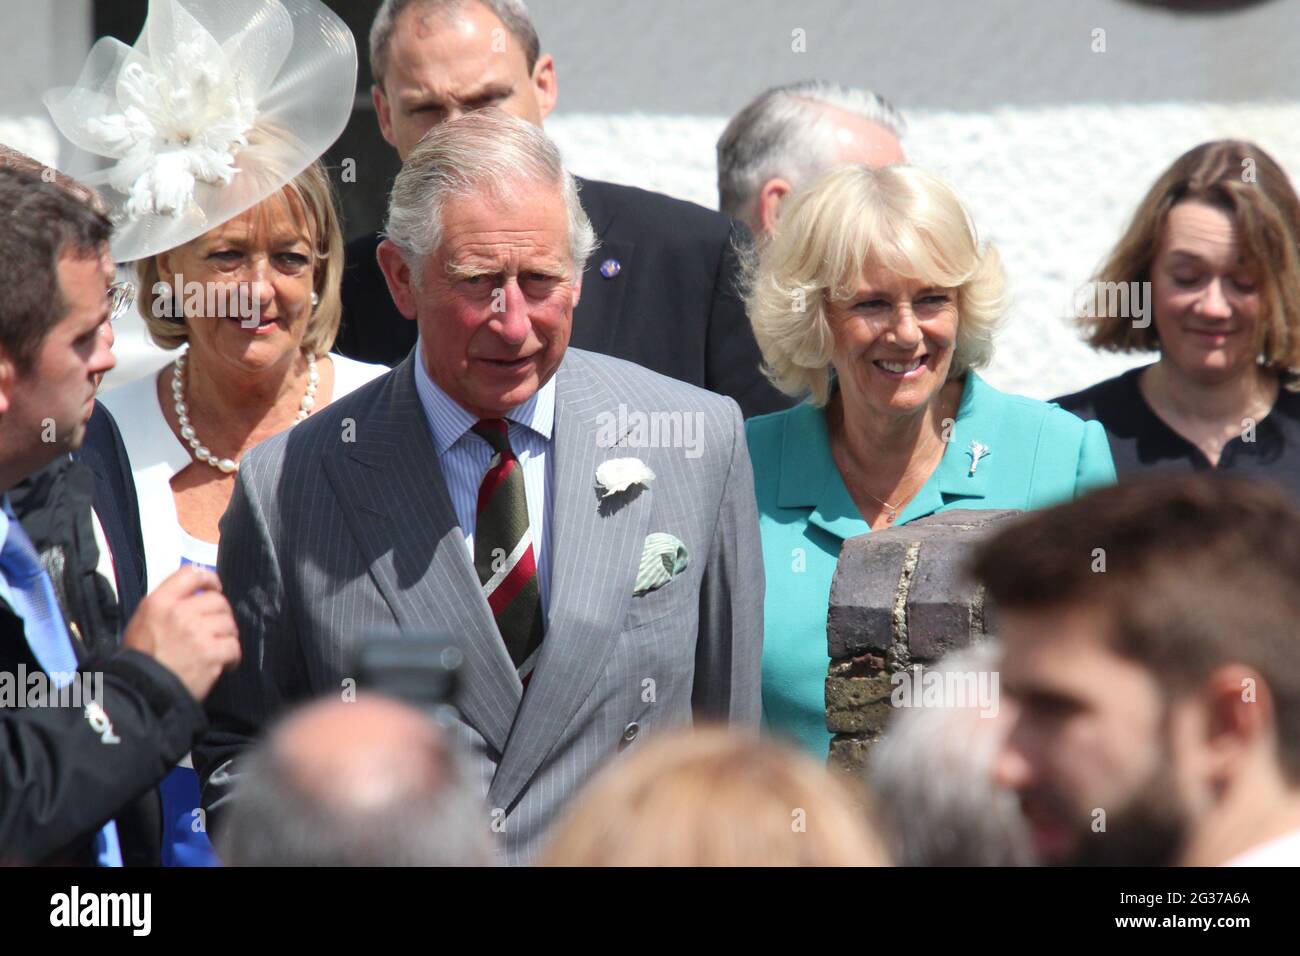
1038	455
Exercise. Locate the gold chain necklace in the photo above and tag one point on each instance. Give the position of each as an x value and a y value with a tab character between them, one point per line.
891	511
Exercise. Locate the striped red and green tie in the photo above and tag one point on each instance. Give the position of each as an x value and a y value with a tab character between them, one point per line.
503	549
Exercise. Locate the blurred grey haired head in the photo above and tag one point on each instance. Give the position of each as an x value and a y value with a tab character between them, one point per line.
784	132
394	793
931	774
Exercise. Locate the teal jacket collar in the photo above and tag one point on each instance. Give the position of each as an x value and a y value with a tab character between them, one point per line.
810	479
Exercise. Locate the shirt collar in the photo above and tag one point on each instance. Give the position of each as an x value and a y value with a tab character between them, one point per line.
979	419
810	479
448	421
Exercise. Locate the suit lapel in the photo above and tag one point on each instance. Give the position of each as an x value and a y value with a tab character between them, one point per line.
594	561
600	308
394	498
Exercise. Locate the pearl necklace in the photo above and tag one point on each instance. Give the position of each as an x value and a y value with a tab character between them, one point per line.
201	452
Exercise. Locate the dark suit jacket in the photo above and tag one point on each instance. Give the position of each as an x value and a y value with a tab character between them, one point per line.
115	502
671	306
104	455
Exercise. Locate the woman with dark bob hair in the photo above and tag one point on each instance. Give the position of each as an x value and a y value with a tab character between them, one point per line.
1208	276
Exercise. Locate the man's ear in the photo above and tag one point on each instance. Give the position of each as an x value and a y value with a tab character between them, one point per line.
8	378
398	276
577	290
770	196
1240	717
547	85
380	100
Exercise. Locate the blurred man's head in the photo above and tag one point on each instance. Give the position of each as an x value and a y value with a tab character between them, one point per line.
368	783
931	774
55	336
485	250
789	136
435	60
1151	637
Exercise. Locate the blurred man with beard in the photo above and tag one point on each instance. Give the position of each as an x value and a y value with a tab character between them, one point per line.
1151	653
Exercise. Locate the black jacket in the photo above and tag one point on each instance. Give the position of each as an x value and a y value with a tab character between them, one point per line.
660	290
59	780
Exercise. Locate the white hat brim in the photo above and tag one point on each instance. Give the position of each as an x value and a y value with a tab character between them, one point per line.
295	61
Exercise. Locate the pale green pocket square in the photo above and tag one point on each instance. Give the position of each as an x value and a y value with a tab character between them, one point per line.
662	558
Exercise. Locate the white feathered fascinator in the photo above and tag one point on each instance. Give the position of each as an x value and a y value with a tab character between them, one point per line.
219	104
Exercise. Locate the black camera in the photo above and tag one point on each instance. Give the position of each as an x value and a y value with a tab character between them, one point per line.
423	671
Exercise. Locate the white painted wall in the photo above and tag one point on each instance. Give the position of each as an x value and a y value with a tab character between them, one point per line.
1049	140
1051	187
42	44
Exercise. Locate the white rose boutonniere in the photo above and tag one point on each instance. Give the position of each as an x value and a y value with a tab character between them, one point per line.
619	474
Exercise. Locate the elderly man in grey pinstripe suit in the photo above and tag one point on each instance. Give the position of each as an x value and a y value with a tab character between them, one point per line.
584	526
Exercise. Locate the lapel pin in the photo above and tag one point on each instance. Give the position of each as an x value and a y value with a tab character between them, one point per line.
977	451
610	268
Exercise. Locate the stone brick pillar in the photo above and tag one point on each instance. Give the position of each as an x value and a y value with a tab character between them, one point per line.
899	597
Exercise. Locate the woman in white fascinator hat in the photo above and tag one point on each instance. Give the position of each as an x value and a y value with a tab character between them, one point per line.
212	125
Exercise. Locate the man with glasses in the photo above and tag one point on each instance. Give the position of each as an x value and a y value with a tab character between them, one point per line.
71	764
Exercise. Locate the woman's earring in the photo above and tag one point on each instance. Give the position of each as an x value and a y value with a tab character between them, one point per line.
315	300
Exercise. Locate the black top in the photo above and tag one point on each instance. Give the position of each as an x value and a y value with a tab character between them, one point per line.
660	290
1139	438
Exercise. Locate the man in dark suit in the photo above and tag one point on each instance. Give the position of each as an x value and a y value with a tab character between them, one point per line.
660	290
67	772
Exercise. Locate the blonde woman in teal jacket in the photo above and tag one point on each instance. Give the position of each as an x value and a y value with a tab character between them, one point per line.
877	300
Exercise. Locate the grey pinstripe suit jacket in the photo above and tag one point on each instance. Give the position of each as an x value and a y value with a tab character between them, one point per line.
328	539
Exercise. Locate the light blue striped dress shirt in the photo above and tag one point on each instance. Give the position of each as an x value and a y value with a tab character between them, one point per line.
465	457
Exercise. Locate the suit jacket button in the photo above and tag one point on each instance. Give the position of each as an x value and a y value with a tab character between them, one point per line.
630	731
